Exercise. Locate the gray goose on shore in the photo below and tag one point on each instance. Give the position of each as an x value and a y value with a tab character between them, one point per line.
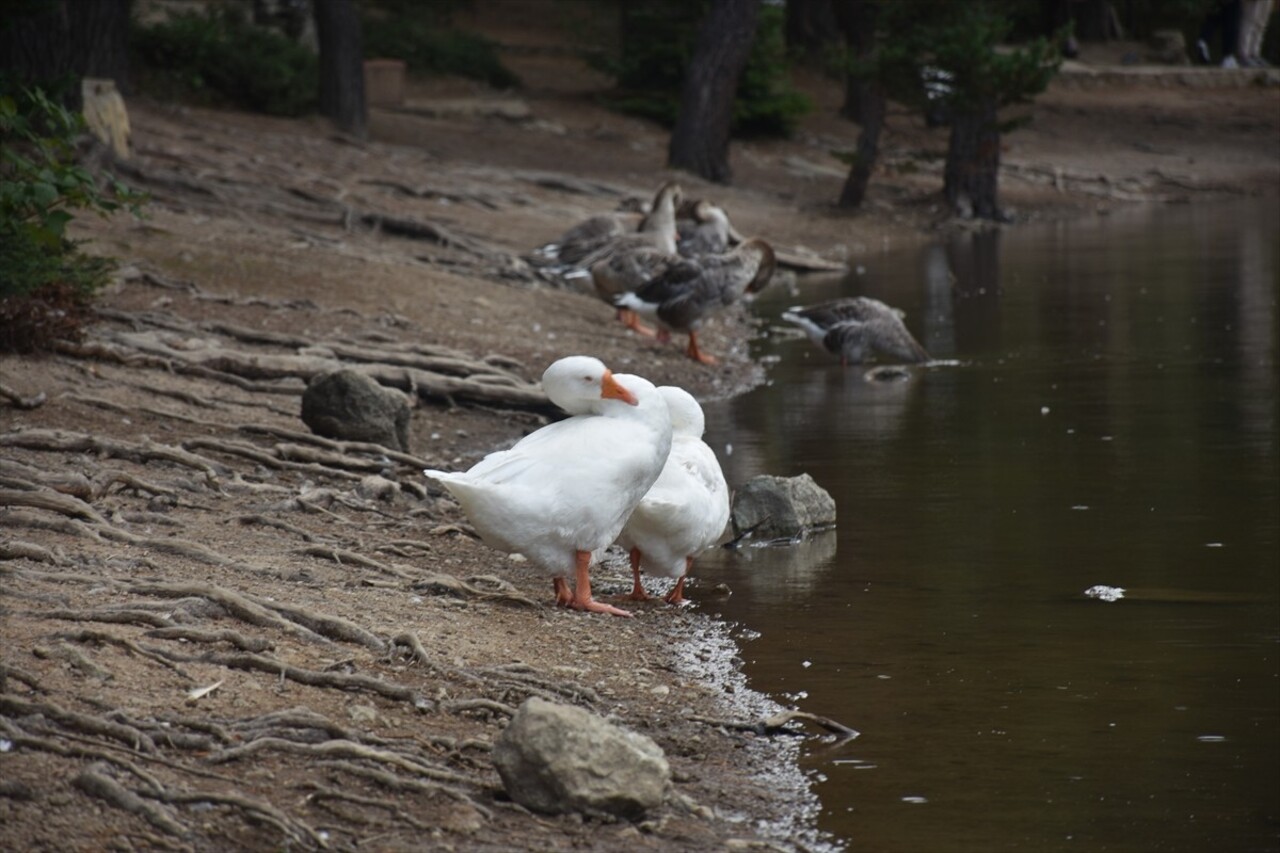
855	327
584	243
692	289
703	227
625	262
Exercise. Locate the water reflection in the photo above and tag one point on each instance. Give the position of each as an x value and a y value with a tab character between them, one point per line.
1109	416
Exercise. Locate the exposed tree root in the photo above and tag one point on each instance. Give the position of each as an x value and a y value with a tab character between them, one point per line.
8	671
350	558
396	782
87	636
15	550
119	617
320	793
440	584
54	502
332	627
201	635
257	810
70	442
317	678
304	535
239	606
416	463
21	401
75	657
491	707
96	784
343	749
13	705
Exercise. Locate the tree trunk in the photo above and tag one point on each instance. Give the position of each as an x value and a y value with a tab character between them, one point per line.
700	139
864	100
855	185
973	162
810	27
64	39
341	65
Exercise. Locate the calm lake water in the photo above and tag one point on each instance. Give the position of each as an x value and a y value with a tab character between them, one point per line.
1107	415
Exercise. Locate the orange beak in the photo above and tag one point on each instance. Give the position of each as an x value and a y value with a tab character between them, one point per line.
610	389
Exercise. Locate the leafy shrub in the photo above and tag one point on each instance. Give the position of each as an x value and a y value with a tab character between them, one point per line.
45	281
656	49
219	58
423	36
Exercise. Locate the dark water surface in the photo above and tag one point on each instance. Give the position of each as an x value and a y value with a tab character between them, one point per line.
1108	415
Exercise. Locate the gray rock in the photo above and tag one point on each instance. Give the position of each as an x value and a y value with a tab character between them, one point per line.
350	406
781	507
557	758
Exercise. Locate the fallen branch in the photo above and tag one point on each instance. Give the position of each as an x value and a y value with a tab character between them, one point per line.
779	724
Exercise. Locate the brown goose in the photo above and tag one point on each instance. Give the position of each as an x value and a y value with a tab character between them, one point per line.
855	327
692	289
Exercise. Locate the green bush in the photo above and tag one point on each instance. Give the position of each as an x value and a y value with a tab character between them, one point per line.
45	280
430	45
657	46
219	58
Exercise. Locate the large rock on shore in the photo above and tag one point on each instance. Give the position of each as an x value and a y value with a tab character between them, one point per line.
349	406
557	758
781	507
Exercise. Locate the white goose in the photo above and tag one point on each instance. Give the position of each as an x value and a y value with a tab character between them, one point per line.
686	510
561	495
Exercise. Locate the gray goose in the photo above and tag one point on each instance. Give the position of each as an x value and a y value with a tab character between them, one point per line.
857	326
703	227
692	289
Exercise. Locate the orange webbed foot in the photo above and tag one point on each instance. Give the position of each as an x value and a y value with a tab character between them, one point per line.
631	320
698	355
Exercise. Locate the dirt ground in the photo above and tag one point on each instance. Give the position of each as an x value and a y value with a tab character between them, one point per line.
220	632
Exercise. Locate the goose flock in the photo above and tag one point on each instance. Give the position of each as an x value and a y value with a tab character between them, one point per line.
627	466
676	262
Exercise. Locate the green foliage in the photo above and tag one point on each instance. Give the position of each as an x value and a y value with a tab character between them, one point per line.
656	50
423	36
40	186
219	58
766	103
963	40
